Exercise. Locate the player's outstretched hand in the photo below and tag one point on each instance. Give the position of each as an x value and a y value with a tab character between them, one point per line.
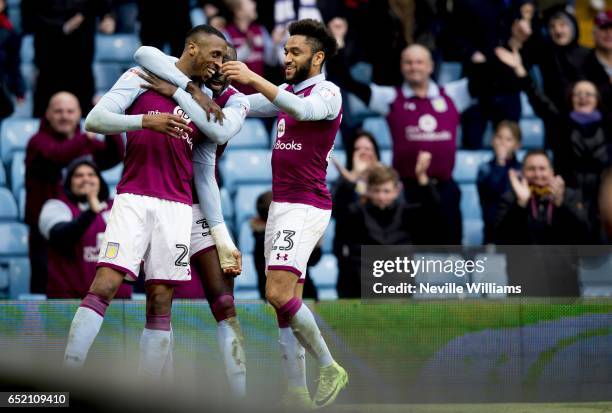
156	84
206	103
237	71
166	123
236	268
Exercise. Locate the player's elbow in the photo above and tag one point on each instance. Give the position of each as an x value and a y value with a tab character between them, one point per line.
92	121
141	52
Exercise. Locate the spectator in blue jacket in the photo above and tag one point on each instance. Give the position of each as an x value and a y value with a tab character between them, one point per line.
493	179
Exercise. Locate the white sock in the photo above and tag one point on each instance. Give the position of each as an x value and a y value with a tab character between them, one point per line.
83	330
231	345
168	369
307	332
154	348
294	358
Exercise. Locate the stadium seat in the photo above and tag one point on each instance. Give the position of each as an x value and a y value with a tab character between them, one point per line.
526	108
533	133
595	274
244	202
13	239
29	72
357	108
106	74
245	286
470	202
15	134
3	181
362	72
252	135
467	164
386	156
19	277
116	48
246	241
113	176
227	206
472	231
332	171
449	71
242	166
378	127
325	276
21	203
27	49
328	237
8	206
17	172
24	110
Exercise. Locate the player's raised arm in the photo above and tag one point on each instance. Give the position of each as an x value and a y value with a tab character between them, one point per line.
162	65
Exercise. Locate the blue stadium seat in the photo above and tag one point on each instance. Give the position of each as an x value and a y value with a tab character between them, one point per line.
113	176
449	71
332	171
362	72
526	108
533	133
386	156
242	166
8	206
246	241
252	135
245	286
380	129
328	237
21	203
357	108
467	163
595	271
17	172
24	110
472	231
29	72
227	206
13	239
325	276
15	134
116	48
3	181
244	202
19	276
106	74
470	202
27	49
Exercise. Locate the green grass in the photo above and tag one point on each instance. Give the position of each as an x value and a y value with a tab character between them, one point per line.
601	407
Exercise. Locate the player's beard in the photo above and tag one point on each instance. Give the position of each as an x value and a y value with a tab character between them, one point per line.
301	73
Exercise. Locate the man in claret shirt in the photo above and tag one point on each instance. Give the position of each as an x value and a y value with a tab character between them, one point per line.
309	113
217	283
151	217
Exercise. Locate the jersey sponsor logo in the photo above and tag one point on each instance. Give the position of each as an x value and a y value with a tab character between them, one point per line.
180	112
427	123
409	106
439	105
280	129
288	146
112	250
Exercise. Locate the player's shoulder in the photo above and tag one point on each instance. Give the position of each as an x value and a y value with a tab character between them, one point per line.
328	90
130	78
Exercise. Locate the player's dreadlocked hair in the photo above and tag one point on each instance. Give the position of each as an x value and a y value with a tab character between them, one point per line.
319	37
202	29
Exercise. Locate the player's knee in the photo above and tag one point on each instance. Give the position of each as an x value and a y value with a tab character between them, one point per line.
159	301
223	307
106	283
277	295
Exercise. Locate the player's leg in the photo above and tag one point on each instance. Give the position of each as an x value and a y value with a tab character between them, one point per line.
121	251
90	314
156	339
219	290
293	356
297	229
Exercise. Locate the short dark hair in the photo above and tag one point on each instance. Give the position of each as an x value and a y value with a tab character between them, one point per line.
512	126
360	133
319	37
534	152
203	29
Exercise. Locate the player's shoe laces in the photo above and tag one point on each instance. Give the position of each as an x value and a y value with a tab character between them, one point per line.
331	380
297	397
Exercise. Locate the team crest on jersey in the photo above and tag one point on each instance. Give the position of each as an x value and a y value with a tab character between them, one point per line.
112	249
427	123
180	112
409	106
280	130
439	105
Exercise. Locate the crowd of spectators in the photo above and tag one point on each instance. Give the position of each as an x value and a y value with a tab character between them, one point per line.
505	47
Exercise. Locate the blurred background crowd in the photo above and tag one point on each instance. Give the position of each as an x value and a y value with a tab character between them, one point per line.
466	122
